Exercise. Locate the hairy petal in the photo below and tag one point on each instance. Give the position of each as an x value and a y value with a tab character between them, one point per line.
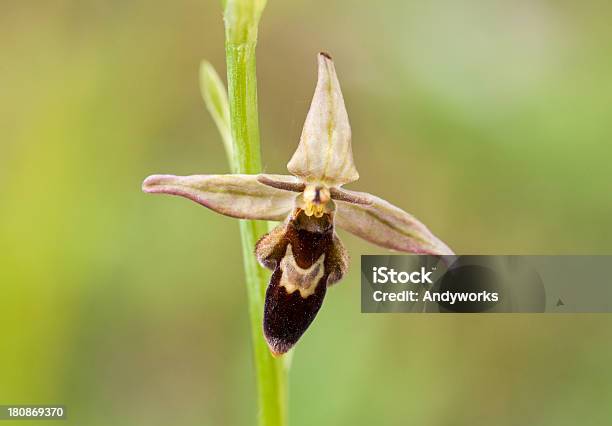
239	196
324	153
294	185
349	196
386	225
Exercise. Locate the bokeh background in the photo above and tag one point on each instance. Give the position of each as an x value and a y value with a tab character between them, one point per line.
490	121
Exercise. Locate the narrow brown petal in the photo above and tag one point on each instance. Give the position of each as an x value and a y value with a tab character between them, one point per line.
348	196
288	183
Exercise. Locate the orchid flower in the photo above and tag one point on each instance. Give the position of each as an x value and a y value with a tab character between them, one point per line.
304	251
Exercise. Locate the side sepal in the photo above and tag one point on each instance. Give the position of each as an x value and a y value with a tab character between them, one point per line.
386	225
239	196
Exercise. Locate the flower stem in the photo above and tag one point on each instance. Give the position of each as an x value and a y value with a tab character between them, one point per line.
241	21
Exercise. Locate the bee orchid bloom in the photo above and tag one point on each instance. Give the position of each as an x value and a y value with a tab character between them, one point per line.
304	251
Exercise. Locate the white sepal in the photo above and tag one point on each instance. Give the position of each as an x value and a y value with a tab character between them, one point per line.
324	154
386	225
240	196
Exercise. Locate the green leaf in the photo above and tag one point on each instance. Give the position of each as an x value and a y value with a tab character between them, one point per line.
215	98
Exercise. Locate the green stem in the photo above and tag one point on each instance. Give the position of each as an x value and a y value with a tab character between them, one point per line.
241	20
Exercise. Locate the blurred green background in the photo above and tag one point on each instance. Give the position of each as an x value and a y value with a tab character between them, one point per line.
490	121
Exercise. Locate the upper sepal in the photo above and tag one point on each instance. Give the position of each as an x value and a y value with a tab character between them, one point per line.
324	153
386	225
239	196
